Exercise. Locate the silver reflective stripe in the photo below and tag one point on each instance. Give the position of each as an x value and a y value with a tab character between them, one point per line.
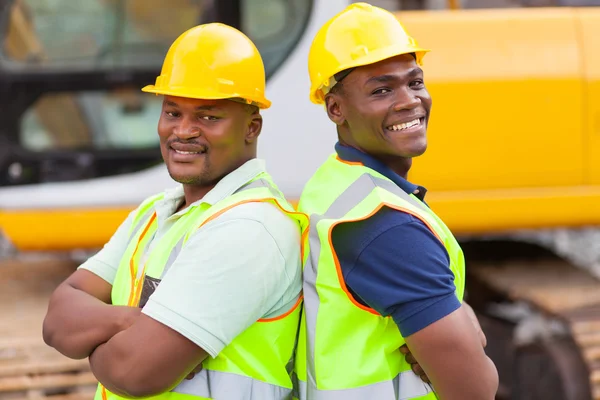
395	189
406	385
141	223
173	256
254	185
227	386
259	183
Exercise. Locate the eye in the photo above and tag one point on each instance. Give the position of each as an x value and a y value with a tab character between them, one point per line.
209	118
172	114
381	91
417	84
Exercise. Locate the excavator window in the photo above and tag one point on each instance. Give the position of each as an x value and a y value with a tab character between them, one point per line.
71	73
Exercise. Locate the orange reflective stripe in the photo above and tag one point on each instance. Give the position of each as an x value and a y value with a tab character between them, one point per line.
104	395
135	283
337	261
349	162
282	316
271	199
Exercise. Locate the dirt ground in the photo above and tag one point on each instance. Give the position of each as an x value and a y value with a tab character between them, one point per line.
30	370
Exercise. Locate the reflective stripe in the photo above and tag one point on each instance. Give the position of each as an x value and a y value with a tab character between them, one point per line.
141	223
260	183
254	185
173	256
395	189
227	386
406	385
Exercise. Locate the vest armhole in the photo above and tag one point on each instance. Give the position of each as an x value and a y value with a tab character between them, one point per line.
336	260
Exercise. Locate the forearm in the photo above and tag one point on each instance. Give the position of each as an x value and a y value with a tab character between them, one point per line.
451	354
106	363
76	322
132	365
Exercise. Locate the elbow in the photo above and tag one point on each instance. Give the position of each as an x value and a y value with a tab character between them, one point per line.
53	338
136	382
141	390
142	387
486	386
48	332
494	380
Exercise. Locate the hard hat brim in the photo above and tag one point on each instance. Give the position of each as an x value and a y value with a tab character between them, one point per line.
206	95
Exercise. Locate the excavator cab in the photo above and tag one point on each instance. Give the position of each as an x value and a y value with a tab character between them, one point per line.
70	77
70	102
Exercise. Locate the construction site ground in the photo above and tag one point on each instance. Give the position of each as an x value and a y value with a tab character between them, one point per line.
30	370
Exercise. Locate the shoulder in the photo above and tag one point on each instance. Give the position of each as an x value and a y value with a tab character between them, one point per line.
264	220
380	229
271	217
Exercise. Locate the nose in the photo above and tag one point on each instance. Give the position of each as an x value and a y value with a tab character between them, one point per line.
186	129
406	99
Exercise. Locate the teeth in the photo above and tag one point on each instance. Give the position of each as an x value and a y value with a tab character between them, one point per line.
405	125
186	152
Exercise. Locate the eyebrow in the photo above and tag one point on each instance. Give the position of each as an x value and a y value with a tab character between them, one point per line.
388	78
206	107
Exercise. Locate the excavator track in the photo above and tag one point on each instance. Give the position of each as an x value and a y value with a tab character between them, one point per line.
551	350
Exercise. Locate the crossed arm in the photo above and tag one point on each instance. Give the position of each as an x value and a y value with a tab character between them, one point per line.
119	341
413	284
207	298
450	353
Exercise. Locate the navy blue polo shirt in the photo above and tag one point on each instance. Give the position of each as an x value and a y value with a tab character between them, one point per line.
392	262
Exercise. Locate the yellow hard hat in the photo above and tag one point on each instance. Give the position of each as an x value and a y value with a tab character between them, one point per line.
213	61
362	34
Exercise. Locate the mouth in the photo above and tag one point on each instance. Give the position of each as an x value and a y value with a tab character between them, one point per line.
187	153
413	125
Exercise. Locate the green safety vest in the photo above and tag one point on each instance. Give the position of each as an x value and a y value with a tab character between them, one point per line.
257	364
347	351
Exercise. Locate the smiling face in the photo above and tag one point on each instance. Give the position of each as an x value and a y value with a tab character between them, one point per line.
203	140
383	109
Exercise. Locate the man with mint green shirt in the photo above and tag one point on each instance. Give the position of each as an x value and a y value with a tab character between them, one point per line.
252	234
204	280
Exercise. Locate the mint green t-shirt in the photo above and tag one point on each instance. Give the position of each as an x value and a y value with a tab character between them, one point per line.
242	266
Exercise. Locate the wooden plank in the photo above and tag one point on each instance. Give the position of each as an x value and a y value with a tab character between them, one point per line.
43	367
14	384
80	395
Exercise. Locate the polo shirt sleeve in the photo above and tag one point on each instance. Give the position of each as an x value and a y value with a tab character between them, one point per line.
238	268
394	264
106	261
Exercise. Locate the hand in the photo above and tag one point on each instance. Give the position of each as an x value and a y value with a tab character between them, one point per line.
475	322
194	372
414	365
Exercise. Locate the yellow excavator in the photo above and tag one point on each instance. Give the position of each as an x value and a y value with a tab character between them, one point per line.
513	164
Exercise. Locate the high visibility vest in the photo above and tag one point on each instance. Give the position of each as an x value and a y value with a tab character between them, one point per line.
258	364
347	351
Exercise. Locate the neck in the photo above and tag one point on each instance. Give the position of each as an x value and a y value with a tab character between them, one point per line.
399	165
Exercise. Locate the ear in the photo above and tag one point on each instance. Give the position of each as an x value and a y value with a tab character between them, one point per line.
334	108
254	126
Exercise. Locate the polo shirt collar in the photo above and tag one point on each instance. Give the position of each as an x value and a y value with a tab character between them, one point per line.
351	154
227	186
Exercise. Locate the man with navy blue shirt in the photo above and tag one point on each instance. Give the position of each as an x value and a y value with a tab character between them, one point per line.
392	262
377	251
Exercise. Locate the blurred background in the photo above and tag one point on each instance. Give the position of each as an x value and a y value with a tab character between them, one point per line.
513	165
